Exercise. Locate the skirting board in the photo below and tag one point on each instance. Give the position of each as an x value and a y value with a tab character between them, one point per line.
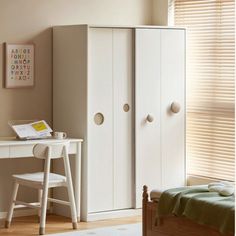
60	210
65	211
24	212
18	213
113	214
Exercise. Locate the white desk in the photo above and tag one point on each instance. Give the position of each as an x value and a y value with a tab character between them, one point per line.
12	148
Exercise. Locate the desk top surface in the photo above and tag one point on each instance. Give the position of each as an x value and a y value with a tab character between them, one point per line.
5	141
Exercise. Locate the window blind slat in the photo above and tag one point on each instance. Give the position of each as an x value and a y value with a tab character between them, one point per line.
210	83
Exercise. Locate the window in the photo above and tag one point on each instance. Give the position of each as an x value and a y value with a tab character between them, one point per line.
210	85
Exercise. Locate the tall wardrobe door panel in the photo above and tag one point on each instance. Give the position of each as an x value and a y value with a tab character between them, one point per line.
173	107
147	110
123	109
100	121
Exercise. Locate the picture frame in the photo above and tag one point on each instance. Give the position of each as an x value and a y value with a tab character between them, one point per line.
19	65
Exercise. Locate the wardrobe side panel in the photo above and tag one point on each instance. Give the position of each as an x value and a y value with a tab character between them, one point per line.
100	137
69	95
147	102
173	124
123	132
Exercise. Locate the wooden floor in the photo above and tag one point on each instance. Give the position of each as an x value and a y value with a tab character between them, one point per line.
25	226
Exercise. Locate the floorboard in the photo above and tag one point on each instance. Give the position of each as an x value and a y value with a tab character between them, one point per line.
25	226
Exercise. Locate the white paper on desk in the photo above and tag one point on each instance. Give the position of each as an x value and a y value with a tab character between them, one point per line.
33	130
24	131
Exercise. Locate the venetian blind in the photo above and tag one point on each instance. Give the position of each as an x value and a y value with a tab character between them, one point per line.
210	85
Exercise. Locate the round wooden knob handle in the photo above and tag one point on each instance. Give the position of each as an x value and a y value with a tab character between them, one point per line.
175	107
150	118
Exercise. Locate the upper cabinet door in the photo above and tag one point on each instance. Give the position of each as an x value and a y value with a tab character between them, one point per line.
100	121
123	114
173	107
147	111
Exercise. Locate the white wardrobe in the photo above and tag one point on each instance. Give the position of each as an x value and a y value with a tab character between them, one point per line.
121	89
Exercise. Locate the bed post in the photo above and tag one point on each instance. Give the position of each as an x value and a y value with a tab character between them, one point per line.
144	210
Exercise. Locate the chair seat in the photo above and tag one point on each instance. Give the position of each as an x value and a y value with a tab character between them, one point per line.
37	178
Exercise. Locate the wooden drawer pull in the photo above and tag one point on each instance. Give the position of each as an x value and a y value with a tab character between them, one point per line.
150	118
98	118
175	107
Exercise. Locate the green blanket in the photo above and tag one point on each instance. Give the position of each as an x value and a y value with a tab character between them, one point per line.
200	205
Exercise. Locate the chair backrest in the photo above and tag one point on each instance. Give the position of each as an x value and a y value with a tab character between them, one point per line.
53	151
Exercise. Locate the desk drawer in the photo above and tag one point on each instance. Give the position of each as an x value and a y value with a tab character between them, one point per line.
21	151
27	150
4	152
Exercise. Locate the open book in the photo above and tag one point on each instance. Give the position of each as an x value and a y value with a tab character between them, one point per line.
31	130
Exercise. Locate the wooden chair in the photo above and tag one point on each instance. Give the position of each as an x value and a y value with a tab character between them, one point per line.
43	181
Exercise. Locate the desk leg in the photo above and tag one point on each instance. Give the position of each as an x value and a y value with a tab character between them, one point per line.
78	179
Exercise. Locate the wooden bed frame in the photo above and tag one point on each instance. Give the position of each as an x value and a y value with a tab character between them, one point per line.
171	225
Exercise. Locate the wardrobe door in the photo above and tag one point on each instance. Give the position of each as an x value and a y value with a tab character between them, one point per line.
173	107
123	110
100	121
147	111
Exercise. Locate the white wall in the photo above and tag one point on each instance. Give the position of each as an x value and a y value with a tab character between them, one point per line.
24	21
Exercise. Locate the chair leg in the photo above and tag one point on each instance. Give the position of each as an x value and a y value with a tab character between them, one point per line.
40	193
12	205
43	211
72	205
45	193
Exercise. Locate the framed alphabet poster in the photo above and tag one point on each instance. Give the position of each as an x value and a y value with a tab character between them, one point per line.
19	71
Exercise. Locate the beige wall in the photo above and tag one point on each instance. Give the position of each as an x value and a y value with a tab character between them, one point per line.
160	12
24	21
